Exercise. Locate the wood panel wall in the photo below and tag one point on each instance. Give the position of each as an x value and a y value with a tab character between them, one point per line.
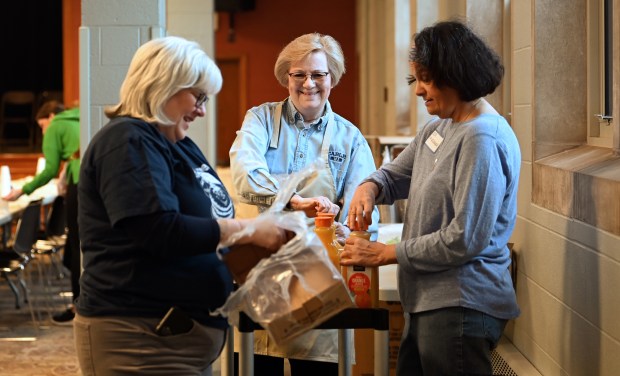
21	165
260	35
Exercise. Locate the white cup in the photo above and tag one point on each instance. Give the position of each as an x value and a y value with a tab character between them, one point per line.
40	165
5	181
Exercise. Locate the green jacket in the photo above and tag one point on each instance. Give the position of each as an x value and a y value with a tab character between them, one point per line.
61	141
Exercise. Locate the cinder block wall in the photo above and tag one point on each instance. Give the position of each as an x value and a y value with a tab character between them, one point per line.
110	34
568	271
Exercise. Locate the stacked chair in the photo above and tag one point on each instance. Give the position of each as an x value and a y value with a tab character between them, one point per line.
18	253
50	246
17	111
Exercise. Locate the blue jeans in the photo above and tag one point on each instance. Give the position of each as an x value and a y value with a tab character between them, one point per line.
448	341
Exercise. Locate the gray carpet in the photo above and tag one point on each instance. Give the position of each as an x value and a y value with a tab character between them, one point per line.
36	349
41	349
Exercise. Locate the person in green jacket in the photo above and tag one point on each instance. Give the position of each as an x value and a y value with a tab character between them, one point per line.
61	143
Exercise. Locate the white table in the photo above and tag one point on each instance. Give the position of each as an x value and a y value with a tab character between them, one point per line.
13	209
388	286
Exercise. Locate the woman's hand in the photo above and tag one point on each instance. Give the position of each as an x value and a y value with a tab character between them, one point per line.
342	232
358	251
362	204
265	234
313	205
13	195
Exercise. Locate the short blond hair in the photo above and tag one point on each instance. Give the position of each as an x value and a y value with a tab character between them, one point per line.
159	69
303	46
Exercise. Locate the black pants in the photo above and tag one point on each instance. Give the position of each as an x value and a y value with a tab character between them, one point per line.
72	255
274	366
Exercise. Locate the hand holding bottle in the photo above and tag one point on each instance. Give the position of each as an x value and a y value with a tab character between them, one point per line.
362	205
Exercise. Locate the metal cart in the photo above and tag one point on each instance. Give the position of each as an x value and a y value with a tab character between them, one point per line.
347	320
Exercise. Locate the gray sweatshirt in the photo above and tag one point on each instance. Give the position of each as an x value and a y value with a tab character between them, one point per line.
461	210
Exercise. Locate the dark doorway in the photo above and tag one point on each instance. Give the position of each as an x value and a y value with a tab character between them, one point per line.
31	32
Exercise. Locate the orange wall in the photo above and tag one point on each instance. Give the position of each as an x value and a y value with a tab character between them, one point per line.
260	35
263	32
71	21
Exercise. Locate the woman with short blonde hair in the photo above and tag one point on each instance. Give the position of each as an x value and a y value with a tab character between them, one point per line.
152	213
303	46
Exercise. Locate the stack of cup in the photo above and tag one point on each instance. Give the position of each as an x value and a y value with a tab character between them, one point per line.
5	187
40	165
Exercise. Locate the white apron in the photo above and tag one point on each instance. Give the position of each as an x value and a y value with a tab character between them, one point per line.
321	345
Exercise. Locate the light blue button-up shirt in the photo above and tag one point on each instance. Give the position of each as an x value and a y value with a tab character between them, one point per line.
256	167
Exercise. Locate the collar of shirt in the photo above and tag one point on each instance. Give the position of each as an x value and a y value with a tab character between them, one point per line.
294	117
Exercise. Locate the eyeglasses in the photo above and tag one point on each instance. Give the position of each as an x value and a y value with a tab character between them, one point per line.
300	77
201	99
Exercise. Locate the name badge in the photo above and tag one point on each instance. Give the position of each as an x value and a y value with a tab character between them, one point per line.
434	141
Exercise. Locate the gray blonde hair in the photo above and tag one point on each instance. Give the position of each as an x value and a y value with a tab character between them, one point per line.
159	69
303	46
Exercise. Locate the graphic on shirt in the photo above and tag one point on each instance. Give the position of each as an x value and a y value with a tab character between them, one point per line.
337	157
221	204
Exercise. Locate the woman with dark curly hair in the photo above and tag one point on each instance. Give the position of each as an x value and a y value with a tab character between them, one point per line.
460	175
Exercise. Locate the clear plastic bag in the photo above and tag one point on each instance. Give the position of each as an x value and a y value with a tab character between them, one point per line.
296	288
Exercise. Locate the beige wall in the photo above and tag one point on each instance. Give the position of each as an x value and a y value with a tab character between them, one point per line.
569	272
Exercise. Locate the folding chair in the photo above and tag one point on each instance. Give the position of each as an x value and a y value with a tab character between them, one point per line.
17	255
51	247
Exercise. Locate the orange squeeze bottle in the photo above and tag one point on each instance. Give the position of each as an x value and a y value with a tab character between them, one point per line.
325	231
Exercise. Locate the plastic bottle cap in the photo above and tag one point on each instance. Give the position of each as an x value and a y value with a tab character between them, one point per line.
321	221
330	215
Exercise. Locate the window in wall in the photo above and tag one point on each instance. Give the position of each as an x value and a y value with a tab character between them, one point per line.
608	44
600	131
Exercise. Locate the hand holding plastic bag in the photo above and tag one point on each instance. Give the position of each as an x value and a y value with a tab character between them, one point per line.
275	216
266	233
295	289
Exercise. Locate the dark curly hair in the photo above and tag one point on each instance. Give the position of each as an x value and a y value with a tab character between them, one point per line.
450	54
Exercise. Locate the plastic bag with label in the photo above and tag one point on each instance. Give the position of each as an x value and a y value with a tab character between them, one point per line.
298	287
